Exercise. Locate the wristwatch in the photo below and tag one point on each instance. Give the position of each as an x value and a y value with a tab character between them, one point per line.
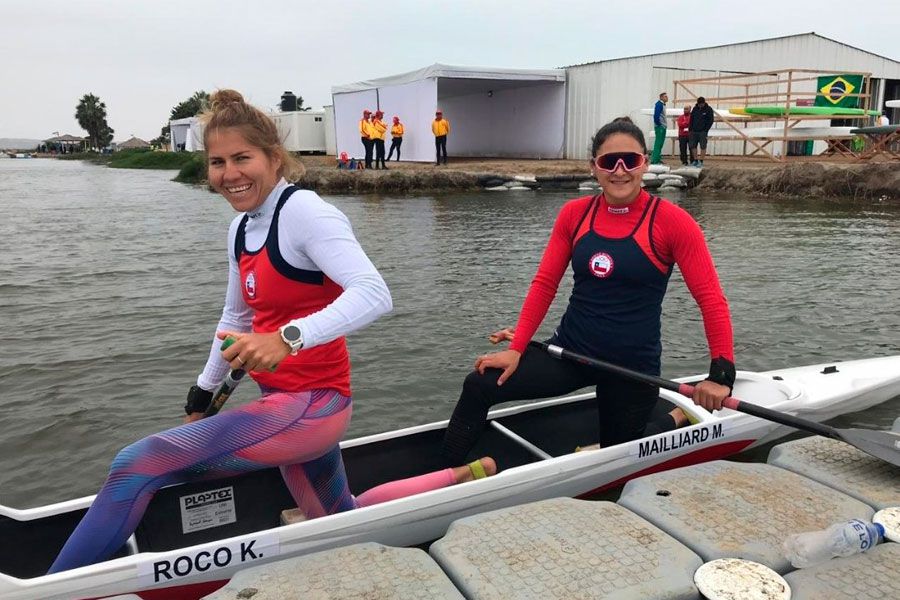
292	336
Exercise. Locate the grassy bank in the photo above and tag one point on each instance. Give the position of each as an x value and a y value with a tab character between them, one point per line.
148	159
134	159
837	180
92	157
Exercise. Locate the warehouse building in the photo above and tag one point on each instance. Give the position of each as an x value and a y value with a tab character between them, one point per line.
598	92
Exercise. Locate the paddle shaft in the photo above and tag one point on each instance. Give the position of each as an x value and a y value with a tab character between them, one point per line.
687	390
224	392
227	388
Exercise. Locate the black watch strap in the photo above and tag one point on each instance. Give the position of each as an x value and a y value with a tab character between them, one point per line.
721	371
198	400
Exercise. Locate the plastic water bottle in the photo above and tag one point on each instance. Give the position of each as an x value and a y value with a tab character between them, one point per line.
841	539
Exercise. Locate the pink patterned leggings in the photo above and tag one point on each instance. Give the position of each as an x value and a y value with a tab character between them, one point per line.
296	431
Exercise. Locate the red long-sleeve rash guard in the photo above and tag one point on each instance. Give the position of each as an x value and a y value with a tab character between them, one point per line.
676	238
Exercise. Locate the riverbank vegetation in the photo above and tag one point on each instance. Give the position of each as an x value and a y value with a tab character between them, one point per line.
139	158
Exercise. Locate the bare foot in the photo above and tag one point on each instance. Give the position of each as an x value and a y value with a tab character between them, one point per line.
464	473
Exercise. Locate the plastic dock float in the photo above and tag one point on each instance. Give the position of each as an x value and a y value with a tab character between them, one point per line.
726	509
872	575
349	573
567	549
842	467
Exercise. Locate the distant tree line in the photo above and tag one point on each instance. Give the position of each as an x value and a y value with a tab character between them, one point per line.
91	116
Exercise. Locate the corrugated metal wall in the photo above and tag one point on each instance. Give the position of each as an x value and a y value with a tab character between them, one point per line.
599	92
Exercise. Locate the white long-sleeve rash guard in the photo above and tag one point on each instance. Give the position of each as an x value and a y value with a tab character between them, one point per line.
315	236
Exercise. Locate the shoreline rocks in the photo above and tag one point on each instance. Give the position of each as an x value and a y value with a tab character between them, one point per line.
834	181
816	180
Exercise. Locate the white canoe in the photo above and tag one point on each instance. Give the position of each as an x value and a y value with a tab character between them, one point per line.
676	111
177	553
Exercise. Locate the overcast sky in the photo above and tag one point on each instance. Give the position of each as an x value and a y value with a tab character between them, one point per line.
142	58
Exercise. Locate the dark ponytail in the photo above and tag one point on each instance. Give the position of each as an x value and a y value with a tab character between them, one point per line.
618	125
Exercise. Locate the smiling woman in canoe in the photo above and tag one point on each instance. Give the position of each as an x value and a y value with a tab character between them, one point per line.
298	282
622	245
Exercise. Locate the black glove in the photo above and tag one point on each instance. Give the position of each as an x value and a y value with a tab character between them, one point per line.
198	399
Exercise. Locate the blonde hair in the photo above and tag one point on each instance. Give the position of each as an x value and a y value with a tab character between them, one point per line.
228	110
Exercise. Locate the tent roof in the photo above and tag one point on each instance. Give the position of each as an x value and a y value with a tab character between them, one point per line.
134	143
65	138
438	70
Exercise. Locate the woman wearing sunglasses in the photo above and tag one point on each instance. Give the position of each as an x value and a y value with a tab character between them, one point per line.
622	245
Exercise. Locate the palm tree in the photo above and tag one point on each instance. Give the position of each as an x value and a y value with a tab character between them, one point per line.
91	115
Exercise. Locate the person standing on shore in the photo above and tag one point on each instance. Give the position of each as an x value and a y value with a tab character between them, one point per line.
396	138
659	128
378	132
684	123
440	127
298	283
702	119
622	245
366	134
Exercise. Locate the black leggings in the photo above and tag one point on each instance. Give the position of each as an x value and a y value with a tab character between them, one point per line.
379	152
625	406
368	145
440	145
395	143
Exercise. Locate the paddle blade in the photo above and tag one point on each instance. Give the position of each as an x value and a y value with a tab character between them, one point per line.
880	444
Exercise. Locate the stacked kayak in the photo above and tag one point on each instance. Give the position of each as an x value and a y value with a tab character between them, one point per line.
780	111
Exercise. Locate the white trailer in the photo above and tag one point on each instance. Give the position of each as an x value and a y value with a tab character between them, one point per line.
302	130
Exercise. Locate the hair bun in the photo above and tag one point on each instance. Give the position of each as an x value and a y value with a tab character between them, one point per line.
222	98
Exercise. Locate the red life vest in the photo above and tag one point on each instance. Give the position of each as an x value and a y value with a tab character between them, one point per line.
279	292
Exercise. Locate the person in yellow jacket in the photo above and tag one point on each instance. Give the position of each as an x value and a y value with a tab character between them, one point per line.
379	130
440	127
396	138
366	133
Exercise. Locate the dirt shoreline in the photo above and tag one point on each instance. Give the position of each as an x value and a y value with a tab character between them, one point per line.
798	178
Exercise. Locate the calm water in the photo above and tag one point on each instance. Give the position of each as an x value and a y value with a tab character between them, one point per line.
111	283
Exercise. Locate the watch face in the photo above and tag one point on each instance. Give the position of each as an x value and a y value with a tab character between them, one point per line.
291	333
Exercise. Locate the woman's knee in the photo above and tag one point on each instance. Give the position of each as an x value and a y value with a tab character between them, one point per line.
128	456
481	389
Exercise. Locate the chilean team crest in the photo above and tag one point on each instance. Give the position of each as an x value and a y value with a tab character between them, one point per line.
601	265
250	284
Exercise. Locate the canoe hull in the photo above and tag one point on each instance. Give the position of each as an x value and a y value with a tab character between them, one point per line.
190	572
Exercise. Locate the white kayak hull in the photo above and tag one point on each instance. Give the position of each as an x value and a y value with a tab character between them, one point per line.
193	571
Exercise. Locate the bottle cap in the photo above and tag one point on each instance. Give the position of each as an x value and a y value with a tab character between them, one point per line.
888	519
726	578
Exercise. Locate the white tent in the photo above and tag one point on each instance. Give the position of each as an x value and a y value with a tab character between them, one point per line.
492	112
330	143
186	134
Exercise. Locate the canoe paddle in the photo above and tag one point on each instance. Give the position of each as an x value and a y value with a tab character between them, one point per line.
880	444
227	388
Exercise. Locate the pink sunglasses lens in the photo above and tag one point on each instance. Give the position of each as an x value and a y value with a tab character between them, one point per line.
630	161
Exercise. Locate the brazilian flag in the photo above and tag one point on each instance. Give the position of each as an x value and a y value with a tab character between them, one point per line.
834	90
